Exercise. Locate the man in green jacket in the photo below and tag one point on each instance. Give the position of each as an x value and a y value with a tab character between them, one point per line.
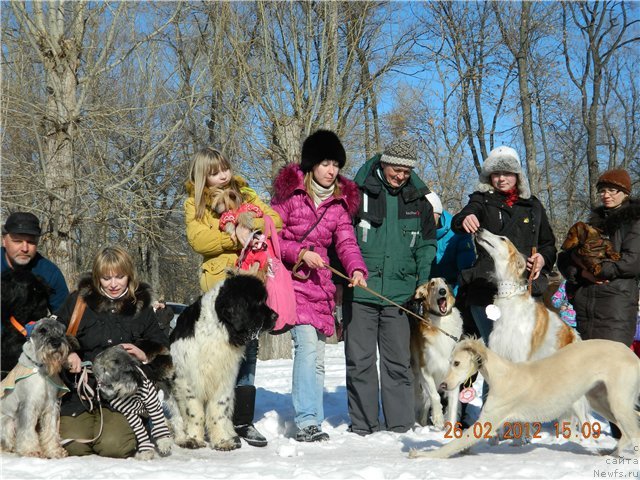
397	236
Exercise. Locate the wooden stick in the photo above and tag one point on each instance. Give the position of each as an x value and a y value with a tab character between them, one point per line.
534	250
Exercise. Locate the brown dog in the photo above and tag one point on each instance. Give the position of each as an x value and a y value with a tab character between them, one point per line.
591	247
431	349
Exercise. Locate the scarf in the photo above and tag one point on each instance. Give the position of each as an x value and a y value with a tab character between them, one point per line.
511	196
319	194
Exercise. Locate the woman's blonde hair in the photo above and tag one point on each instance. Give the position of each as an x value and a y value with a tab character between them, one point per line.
308	177
207	161
114	260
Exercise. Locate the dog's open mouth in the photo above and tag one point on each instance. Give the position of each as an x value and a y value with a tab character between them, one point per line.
442	305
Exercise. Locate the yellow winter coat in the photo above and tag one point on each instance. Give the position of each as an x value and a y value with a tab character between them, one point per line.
217	248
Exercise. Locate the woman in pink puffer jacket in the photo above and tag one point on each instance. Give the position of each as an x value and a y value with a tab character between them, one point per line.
316	205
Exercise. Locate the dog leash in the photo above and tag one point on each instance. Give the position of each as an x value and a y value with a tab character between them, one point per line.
85	392
23	329
406	310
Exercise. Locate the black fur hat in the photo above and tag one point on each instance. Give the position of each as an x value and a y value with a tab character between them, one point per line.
319	146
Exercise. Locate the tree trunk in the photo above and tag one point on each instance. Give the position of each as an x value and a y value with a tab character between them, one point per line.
525	98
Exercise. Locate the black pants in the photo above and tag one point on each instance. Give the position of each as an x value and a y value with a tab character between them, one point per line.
369	329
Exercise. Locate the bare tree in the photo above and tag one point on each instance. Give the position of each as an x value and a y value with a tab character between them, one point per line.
70	60
519	44
606	30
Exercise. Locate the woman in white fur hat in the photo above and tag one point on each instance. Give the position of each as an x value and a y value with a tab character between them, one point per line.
503	204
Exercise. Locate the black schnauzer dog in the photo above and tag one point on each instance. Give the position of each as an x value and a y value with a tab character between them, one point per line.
25	300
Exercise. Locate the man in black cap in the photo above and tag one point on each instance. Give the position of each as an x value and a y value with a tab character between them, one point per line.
20	235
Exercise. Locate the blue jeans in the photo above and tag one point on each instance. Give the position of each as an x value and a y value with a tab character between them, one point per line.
484	324
308	375
247	373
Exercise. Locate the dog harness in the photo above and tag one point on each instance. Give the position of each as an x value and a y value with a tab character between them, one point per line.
144	403
20	372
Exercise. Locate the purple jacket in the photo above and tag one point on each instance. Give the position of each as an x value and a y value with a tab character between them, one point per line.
314	296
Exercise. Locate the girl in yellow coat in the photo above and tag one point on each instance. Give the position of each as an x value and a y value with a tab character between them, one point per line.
210	174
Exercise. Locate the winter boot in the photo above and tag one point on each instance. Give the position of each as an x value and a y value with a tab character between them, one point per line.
243	416
311	434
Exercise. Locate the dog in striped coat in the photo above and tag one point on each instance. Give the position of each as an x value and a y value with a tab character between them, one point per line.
122	382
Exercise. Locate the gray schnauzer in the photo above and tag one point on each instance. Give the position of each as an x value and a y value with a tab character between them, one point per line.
129	391
29	407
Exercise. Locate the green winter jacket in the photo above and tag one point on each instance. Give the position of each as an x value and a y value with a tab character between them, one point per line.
396	234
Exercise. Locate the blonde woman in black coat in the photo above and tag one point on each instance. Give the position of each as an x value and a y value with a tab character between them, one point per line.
118	312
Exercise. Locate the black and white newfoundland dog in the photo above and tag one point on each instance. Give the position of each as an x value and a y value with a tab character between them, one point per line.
207	346
25	300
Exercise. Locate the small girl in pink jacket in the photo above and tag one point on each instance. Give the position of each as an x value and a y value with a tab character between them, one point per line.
317	206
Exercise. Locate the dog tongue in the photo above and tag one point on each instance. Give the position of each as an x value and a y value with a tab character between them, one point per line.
442	304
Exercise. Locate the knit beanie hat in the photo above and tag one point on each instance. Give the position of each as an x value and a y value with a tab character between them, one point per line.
503	159
435	202
321	145
401	152
617	178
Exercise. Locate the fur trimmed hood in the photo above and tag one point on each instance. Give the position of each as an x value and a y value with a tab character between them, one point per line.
98	302
610	220
503	159
291	179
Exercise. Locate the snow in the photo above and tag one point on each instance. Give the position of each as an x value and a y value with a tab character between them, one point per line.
382	455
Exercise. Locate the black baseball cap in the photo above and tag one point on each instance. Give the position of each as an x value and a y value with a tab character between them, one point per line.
22	222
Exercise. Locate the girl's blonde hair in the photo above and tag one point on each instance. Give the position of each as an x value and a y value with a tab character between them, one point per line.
114	260
207	161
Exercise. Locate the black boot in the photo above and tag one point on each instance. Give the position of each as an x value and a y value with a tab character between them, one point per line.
243	416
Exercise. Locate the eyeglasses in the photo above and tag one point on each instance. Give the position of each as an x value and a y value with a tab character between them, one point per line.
610	191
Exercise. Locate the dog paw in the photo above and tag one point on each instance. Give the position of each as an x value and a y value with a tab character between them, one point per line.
164	446
415	453
56	453
438	423
31	453
191	443
145	455
228	444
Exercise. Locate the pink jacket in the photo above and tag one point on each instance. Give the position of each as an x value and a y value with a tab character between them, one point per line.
314	296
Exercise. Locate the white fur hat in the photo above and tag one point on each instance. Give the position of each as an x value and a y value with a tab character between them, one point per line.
503	159
435	202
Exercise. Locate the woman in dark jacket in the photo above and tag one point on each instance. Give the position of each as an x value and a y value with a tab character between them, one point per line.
118	312
606	306
503	204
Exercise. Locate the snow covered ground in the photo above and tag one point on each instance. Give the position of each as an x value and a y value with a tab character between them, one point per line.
346	456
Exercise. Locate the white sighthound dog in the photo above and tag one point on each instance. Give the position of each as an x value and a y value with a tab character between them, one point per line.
526	329
607	372
431	350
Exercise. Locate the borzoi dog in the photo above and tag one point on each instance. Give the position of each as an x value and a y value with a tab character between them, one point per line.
607	372
431	350
526	328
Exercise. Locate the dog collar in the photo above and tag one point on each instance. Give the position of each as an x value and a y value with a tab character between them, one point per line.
23	329
509	289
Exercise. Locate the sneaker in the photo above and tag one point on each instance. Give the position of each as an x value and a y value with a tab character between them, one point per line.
251	435
311	434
